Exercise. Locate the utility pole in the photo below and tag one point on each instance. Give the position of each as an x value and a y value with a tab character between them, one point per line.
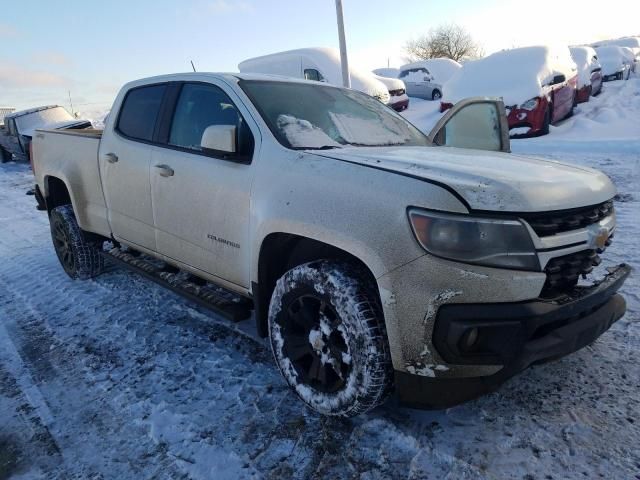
346	78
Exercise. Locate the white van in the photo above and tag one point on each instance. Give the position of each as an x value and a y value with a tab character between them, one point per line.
319	64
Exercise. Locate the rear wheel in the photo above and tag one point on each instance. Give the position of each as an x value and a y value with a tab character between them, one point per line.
4	155
328	338
436	95
78	257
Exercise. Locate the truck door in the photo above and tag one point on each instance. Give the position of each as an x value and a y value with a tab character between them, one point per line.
201	197
124	158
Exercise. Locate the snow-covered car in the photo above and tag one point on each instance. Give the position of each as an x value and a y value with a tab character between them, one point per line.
20	126
632	43
319	64
399	100
615	63
424	79
589	72
388	72
631	57
375	257
538	86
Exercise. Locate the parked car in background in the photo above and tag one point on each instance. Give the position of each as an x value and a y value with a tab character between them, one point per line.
425	79
615	63
589	72
631	57
20	126
537	84
632	43
399	100
319	64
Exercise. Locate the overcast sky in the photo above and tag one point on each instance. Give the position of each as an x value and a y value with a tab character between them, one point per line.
92	48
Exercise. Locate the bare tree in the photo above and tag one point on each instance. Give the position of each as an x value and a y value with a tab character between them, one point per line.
450	41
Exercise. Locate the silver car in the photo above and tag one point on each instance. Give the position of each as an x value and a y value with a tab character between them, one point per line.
420	83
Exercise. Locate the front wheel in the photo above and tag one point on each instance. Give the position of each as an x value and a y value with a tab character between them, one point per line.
328	337
436	95
78	257
546	122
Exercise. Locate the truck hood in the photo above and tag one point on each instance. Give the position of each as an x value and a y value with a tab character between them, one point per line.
492	181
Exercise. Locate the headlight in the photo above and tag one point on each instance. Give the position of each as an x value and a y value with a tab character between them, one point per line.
481	241
530	104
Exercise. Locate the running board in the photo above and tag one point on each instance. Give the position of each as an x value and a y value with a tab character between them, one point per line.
223	302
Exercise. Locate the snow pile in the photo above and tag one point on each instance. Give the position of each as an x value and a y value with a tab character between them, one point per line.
442	69
631	42
387	72
612	58
302	133
515	75
586	61
385	130
326	60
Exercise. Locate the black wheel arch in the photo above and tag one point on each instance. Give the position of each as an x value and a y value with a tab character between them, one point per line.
281	252
56	193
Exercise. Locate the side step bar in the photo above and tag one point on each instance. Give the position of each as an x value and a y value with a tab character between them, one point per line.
223	302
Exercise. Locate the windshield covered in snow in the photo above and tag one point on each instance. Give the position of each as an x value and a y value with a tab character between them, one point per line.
305	116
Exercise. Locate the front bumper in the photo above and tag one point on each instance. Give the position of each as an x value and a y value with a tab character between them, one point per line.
513	335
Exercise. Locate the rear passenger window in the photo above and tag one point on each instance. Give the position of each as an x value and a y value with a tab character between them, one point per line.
139	112
313	74
201	106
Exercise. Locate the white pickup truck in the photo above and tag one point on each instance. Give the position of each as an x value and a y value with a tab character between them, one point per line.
374	257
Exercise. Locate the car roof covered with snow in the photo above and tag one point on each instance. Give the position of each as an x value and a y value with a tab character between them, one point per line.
387	72
327	61
516	75
612	58
442	69
29	111
586	63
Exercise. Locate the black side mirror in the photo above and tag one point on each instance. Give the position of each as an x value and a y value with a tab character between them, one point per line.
558	79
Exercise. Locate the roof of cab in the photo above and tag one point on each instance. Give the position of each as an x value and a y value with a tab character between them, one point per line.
20	113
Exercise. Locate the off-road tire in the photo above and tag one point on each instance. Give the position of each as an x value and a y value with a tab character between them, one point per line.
79	258
4	155
350	293
436	95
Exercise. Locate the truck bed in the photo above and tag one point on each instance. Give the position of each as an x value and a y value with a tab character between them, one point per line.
71	156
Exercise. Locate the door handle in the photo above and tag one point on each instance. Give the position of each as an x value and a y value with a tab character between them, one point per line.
165	170
111	157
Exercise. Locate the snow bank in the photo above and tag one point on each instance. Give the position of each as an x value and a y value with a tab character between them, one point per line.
515	75
586	63
612	58
442	69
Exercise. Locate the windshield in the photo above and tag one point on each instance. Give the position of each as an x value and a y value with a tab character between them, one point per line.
28	123
306	116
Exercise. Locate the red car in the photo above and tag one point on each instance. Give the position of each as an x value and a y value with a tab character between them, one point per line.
537	84
589	72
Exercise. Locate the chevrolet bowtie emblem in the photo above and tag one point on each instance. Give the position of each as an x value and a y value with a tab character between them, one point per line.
599	238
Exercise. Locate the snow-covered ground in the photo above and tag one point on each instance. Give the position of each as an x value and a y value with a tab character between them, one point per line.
117	378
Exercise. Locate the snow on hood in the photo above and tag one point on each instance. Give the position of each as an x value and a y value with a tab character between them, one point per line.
584	58
442	69
516	75
327	61
492	181
390	83
612	58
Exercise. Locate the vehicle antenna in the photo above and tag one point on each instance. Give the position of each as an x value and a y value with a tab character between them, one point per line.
71	103
193	66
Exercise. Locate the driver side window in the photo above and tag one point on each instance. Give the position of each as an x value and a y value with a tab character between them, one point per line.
313	74
200	106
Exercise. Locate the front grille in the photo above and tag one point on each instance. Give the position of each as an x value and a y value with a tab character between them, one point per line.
396	93
564	272
546	224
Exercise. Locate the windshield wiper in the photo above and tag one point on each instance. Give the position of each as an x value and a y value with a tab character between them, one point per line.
323	147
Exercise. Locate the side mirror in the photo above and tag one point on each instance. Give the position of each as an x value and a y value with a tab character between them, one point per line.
558	79
479	123
220	138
